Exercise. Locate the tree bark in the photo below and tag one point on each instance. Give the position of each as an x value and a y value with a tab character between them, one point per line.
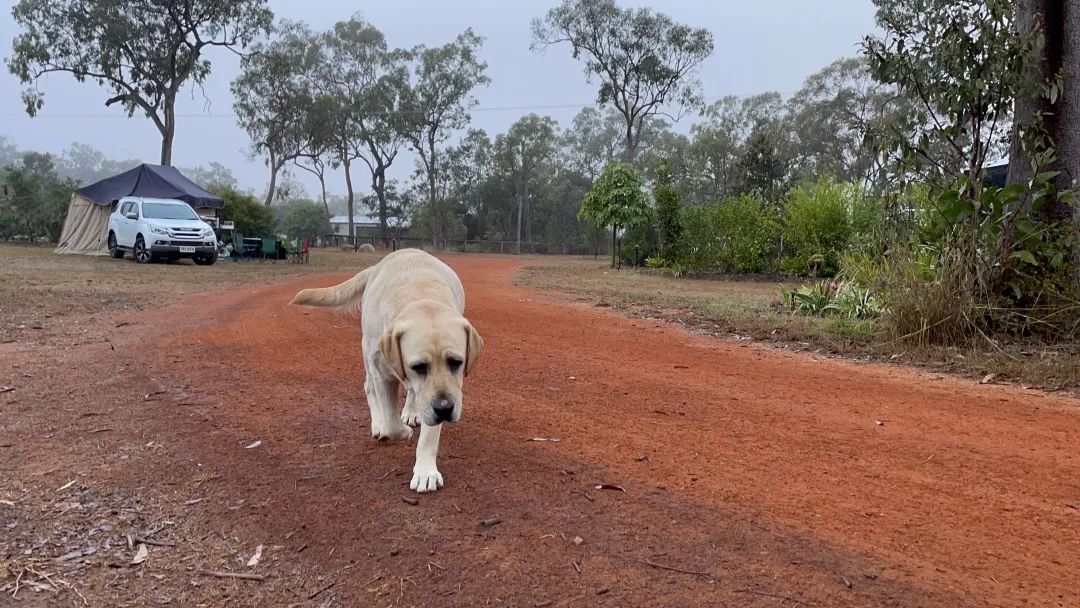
378	184
348	184
438	226
1059	54
274	168
167	135
322	186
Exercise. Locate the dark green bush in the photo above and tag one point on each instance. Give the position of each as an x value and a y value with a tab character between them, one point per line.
738	235
818	226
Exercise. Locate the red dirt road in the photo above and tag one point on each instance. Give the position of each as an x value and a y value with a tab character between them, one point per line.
752	477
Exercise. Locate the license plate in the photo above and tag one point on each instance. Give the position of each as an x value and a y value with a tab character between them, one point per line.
187	250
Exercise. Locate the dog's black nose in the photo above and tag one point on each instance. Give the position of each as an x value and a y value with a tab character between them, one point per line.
444	409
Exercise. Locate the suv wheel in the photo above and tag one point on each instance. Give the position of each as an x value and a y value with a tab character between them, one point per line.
205	259
114	250
142	254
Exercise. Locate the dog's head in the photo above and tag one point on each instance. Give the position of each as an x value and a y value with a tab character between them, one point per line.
431	354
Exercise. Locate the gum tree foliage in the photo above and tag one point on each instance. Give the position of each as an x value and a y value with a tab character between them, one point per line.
142	51
645	62
435	103
354	53
616	200
962	64
272	96
593	140
839	118
525	152
382	123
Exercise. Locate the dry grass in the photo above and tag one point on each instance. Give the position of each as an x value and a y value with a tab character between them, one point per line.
36	285
751	308
740	305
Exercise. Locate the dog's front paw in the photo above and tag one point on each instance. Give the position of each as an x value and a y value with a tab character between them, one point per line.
426	479
395	432
410	417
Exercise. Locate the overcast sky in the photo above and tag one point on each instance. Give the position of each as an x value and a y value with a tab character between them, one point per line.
761	45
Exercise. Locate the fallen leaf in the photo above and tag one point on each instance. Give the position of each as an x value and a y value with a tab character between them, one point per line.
642	458
608	486
879	422
140	555
6	389
7	502
254	561
253	445
578	540
988	378
66	486
192	502
1068	504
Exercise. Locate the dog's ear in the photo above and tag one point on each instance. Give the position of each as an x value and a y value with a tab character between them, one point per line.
390	346
474	345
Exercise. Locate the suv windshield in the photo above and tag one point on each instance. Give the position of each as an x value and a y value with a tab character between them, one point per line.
167	211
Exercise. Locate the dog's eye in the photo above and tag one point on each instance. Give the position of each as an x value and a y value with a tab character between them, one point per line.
420	369
453	363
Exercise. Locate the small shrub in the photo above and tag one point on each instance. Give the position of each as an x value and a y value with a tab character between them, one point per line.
818	226
667	216
737	235
827	297
655	261
813	299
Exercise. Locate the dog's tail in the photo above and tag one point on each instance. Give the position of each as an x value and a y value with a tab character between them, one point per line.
343	297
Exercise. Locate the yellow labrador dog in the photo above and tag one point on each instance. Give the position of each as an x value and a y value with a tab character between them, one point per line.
414	334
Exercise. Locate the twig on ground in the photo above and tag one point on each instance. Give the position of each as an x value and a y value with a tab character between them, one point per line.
931	457
240	575
154	543
674	569
327	587
388	473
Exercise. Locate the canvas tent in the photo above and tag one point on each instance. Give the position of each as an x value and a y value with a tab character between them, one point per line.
86	227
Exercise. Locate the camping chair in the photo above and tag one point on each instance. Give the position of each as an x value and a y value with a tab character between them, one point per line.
269	248
237	247
299	255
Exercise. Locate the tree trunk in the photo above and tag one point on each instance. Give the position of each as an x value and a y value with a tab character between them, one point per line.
378	184
438	227
274	168
520	213
322	187
631	145
1059	55
168	133
348	184
614	253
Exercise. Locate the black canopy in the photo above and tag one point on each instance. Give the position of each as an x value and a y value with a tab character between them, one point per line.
151	181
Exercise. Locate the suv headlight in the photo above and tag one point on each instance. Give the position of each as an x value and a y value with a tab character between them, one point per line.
158	230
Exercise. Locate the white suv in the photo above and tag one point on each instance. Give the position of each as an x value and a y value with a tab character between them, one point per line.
158	228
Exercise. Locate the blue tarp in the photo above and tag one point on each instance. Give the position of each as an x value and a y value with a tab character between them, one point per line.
151	181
